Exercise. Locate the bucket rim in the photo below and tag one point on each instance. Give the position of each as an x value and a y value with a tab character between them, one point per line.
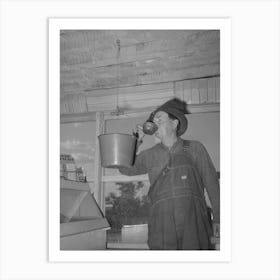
103	134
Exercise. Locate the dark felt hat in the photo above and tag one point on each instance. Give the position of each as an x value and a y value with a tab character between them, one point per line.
176	108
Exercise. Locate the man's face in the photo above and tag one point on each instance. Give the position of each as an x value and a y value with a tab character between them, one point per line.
166	126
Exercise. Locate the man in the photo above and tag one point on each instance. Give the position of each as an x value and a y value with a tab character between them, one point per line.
178	170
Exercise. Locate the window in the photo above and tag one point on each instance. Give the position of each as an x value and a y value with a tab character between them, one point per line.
127	211
77	141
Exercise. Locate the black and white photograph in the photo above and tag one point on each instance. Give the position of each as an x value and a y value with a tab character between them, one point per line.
140	139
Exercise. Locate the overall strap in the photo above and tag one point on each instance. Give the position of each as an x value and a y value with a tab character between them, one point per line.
186	149
160	176
186	144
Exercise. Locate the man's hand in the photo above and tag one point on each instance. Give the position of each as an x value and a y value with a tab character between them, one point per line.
141	134
216	229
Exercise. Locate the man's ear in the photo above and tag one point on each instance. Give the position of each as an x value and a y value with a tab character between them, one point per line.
175	123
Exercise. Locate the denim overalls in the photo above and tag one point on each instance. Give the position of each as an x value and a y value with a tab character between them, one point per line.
178	216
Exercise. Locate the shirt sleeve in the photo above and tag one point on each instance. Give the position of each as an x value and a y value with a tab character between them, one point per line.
139	167
209	178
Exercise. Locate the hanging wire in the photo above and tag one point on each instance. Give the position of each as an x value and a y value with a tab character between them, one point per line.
118	68
118	110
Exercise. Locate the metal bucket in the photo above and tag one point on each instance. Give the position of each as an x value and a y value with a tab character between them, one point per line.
117	149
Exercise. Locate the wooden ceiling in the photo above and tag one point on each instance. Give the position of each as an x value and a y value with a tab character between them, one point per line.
97	59
96	63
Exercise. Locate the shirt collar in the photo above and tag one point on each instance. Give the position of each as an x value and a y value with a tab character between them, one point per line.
176	146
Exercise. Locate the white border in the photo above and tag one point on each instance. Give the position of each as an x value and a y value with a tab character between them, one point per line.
55	25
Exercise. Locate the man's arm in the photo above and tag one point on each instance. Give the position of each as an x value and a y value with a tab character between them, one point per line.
209	178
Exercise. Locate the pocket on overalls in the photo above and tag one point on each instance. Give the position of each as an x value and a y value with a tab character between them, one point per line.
181	177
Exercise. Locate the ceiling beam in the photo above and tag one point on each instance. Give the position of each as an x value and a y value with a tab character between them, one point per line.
87	117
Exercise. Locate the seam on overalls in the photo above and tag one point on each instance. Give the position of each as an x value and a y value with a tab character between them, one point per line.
176	196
